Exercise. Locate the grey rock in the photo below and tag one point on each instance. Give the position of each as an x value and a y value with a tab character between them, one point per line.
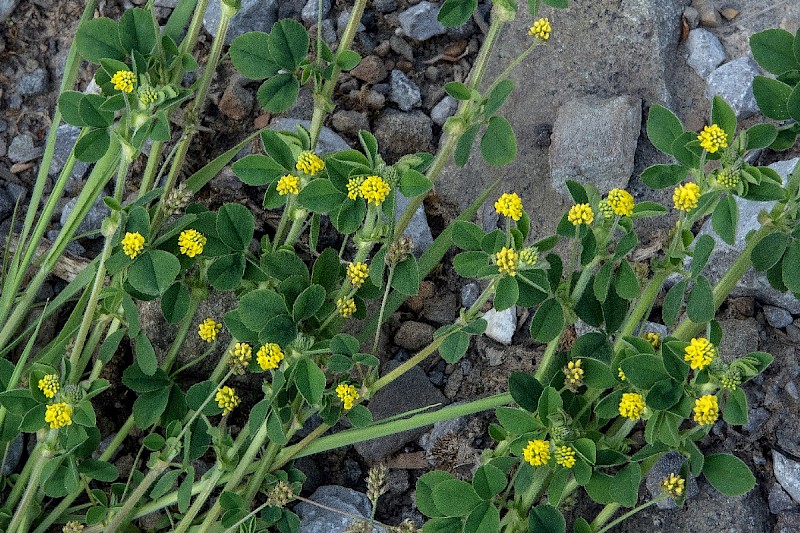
607	130
469	294
404	92
739	338
401	46
329	141
440	430
441	309
328	31
787	472
349	121
236	102
94	218
706	53
166	3
22	149
316	519
401	133
692	17
66	137
254	15
6	204
500	326
32	83
413	335
103	446
418	228
384	6
733	81
667	464
12	455
310	13
661	329
752	283
17	192
778	500
410	391
3	147
419	21
707	12
371	69
344	18
73	247
788	522
6	8
757	418
777	317
443	110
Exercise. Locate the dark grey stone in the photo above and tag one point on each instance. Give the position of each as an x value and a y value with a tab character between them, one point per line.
469	294
443	110
13	455
384	6
329	141
669	463
418	228
778	500
787	472
401	133
733	81
311	10
706	53
419	21
32	83
315	519
94	218
66	137
6	204
777	317
22	149
254	15
404	92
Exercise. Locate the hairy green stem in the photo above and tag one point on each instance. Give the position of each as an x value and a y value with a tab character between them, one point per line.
609	510
120	518
31	487
645	303
209	485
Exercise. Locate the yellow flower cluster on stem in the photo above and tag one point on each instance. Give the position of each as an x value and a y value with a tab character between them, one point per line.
288	185
354	188
357	273
673	485
226	399
58	415
621	202
374	190
573	374
706	410
123	80
509	205
507	261
347	394
191	242
132	244
49	385
580	214
269	356
654	338
209	329
712	138
537	453
565	456
239	357
346	307
541	29
631	405
309	163
700	353
685	196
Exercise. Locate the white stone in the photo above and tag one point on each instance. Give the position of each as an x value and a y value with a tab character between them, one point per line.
706	53
733	81
787	472
501	326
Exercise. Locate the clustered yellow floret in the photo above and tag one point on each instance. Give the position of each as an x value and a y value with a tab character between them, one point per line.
49	385
269	356
346	307
147	96
706	410
58	415
605	209
728	178
357	273
354	188
712	138
673	485
509	205
621	202
209	329
621	374
580	214
529	256
565	456
537	453
191	242
374	189
132	244
507	261
731	379
700	353
685	196
347	394
654	338
288	185
631	405
239	357
541	29
123	81
226	399
573	373
309	163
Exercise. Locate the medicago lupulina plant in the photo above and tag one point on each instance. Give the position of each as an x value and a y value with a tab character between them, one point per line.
562	428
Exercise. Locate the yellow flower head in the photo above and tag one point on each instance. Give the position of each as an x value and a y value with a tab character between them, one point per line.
580	214
226	399
621	374
58	415
605	209
357	273
537	453
509	205
706	410
346	307
673	485
573	374
347	394
269	356
374	189
309	163
653	338
191	242
621	202
123	81
208	330
132	244
239	357
147	96
288	185
354	188
699	353
565	456
49	385
685	196
541	29
507	261
73	526
528	257
712	138
631	405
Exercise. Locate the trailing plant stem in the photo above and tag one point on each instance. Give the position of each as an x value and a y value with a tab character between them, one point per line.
120	517
32	486
645	303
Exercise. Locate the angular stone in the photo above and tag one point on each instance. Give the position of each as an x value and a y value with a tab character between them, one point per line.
444	110
6	8
413	335
384	6
739	338
66	137
317	519
777	317
32	83
418	228
469	294
405	92
236	102
787	472
310	13
349	121
329	141
778	500
706	53
13	455
419	21
371	69
500	326
788	522
254	15
22	149
94	218
401	133
594	141
708	13
733	81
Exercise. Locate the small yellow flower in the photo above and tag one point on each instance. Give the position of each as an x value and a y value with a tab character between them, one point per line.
565	456
699	353
357	273
706	410
58	415
653	338
49	385
209	329
605	209
685	196
191	242
288	185
123	81
541	29
573	374
346	307
354	188
580	214
73	526
507	261
631	405
509	205
537	453
269	356
621	202
728	178
309	163
347	394
132	244
226	399
621	374
529	257
673	485
239	357
374	189
712	138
